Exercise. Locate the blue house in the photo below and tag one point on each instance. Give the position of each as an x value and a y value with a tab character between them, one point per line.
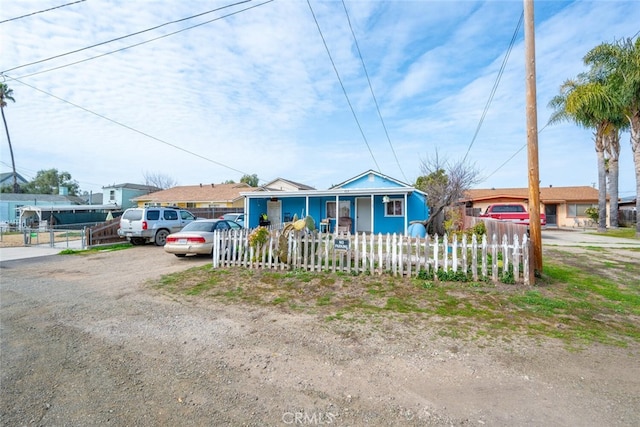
370	202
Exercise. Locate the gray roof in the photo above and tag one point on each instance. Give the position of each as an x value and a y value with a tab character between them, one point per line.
130	186
7	178
300	186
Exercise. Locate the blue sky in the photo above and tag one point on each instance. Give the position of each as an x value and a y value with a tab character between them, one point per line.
257	92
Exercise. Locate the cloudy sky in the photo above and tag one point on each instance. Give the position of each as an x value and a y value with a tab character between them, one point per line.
278	88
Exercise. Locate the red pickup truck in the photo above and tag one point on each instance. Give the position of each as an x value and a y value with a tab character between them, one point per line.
511	212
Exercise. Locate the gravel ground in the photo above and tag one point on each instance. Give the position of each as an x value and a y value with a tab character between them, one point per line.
86	341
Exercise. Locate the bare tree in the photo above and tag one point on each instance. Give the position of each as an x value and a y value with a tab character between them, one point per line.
159	180
445	183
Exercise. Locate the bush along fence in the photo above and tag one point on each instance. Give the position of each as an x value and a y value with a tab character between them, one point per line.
438	258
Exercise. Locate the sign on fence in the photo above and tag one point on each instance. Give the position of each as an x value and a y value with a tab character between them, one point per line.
341	244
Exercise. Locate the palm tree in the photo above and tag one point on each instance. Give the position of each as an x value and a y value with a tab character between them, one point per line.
588	103
7	94
621	62
612	148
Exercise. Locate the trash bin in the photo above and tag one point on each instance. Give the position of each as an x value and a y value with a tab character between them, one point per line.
417	230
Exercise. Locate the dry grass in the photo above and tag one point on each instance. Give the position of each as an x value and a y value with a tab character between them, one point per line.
580	288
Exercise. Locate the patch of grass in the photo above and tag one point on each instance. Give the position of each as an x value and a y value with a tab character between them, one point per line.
301	275
324	300
279	300
200	287
535	302
623	232
401	306
97	249
583	297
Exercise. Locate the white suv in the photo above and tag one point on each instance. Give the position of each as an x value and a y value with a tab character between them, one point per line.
152	224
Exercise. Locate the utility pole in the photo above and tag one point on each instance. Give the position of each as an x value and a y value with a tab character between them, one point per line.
532	141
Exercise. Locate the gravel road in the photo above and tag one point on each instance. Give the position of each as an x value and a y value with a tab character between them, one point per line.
86	341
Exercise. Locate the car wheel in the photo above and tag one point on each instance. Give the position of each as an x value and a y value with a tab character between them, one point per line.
137	241
180	255
161	237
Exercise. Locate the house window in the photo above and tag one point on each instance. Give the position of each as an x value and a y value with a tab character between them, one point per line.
112	195
395	207
577	209
191	205
345	209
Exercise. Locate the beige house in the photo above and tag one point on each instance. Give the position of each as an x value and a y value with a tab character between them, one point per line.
564	206
197	196
281	184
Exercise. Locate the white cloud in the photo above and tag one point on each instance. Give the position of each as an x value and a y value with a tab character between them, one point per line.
256	91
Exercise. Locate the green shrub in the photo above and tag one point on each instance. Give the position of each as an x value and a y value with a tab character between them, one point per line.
258	237
592	213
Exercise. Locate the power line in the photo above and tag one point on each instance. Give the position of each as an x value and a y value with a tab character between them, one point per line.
343	88
40	11
495	85
144	42
135	34
512	156
371	90
127	126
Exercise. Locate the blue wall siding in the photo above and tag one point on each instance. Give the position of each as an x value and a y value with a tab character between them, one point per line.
293	206
416	208
256	208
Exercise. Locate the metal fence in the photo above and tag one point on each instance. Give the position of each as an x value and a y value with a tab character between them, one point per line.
53	237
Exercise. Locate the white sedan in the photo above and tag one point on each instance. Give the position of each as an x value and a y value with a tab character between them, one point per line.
196	238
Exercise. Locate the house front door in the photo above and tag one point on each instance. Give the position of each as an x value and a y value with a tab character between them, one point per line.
363	215
551	211
274	212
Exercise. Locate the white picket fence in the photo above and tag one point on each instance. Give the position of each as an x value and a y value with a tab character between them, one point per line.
378	254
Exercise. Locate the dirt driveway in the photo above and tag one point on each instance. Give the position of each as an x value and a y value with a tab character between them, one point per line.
85	342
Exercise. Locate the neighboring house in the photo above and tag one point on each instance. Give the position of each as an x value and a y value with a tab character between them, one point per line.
197	196
93	198
122	194
10	203
281	184
46	209
564	206
370	202
628	215
627	203
6	179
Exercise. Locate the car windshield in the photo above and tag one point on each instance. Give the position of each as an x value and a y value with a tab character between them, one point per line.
231	216
200	226
133	214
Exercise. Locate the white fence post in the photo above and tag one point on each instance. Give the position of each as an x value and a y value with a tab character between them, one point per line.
395	254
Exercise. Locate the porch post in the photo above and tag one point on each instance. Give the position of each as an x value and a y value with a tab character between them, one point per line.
373	197
306	206
335	228
406	219
246	212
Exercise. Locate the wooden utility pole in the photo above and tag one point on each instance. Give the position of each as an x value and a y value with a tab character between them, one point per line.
532	140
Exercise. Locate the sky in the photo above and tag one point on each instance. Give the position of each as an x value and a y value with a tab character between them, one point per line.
316	92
